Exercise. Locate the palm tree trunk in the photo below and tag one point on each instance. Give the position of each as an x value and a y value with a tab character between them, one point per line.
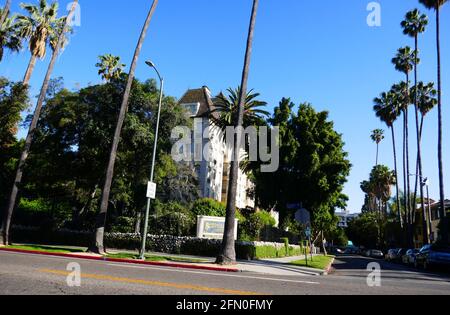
5	11
405	201
442	211
396	177
30	69
378	151
228	252
4	238
426	232
97	246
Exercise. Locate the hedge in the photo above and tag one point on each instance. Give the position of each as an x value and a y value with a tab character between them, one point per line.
156	243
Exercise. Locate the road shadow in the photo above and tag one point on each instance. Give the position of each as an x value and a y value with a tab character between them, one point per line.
356	266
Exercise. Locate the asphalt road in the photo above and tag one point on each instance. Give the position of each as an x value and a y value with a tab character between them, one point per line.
36	275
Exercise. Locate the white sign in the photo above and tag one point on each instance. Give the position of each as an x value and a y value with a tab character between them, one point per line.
151	190
213	227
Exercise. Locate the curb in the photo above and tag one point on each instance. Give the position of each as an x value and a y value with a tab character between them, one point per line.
118	260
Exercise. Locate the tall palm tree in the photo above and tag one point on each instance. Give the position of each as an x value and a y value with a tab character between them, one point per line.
227	108
426	100
387	109
404	62
436	5
413	25
110	67
227	254
9	37
98	246
5	11
402	97
41	28
4	235
377	136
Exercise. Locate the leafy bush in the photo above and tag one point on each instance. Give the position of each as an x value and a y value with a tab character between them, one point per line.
208	207
255	223
172	218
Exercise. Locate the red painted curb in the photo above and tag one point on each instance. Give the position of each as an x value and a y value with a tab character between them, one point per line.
119	260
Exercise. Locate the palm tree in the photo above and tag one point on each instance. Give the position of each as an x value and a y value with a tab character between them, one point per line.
227	254
377	136
388	110
404	62
110	67
4	235
9	38
413	25
227	107
41	28
5	11
98	246
426	100
436	5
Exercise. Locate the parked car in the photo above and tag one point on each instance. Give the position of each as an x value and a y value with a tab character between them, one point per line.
399	256
378	254
433	256
409	257
392	254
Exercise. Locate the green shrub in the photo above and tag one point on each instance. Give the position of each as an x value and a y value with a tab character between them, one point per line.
254	225
123	225
171	218
208	207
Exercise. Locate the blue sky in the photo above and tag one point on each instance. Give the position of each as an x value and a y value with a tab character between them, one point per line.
322	52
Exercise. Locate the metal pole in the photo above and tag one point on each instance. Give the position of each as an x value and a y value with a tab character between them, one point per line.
147	210
429	212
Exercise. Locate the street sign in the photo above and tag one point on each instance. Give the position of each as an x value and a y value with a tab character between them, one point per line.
151	190
303	216
308	232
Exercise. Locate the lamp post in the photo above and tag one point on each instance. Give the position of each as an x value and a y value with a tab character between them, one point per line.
425	182
152	173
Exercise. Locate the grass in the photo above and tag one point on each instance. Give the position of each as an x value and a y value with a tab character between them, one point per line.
47	249
65	250
318	262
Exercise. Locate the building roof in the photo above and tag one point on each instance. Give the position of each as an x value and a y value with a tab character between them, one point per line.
201	96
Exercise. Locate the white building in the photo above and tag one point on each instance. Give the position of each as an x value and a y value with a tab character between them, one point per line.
344	218
211	155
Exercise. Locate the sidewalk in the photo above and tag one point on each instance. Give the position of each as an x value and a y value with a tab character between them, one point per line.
272	266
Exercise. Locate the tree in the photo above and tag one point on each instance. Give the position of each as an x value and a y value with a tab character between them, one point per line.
404	62
98	246
226	108
377	136
227	253
9	38
4	239
436	5
363	230
387	109
5	11
413	25
402	98
110	67
41	27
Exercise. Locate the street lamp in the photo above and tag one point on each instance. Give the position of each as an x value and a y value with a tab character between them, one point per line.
152	173
425	182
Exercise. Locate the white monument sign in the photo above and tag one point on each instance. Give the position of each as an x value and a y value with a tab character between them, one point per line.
213	227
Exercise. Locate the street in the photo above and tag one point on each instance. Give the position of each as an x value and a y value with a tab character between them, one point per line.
36	275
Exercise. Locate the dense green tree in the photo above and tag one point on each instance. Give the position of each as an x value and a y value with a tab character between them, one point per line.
364	230
60	40
313	165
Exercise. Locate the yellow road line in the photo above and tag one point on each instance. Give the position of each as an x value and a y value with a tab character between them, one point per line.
153	283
